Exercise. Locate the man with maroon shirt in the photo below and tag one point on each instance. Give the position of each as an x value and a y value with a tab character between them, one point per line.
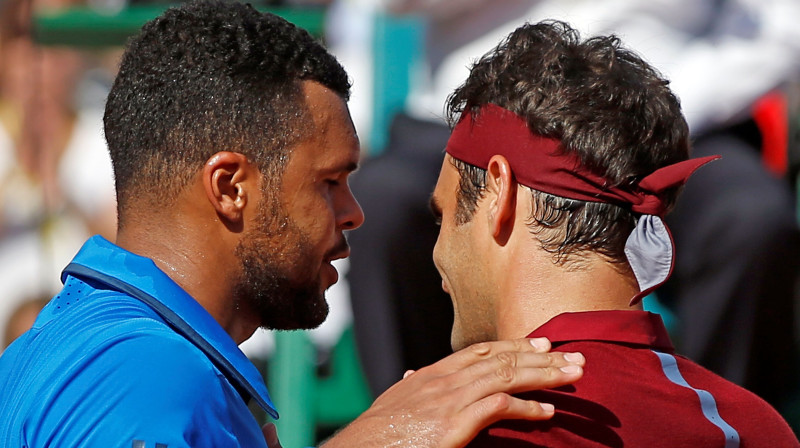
564	157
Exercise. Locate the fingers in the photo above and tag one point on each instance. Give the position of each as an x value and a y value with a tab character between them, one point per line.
492	370
513	372
498	378
492	409
540	345
271	435
503	406
485	350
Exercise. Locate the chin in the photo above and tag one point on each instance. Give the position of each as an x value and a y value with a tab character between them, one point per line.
295	308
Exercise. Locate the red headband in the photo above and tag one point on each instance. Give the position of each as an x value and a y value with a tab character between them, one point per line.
539	163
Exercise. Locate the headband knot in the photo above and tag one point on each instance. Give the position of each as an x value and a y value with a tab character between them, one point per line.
654	185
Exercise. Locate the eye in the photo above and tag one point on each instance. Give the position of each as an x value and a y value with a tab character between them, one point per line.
436	211
333	182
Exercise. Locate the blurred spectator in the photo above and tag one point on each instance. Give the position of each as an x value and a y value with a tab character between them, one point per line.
56	182
22	318
737	261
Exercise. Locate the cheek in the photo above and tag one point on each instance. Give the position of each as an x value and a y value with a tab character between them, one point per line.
314	212
325	205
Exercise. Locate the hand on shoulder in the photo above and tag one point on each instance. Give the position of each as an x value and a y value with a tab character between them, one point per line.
446	404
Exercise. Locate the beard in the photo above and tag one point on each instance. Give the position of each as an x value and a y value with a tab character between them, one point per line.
280	276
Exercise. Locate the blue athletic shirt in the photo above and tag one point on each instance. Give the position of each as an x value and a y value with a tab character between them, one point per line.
123	357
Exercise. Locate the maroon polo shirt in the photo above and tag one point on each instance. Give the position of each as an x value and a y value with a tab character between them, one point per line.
635	392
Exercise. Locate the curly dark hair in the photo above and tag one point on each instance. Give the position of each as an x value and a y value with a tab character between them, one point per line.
603	102
210	76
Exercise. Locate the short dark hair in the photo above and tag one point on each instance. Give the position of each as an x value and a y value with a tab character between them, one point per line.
210	76
603	102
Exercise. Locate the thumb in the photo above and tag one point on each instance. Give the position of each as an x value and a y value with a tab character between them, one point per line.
271	435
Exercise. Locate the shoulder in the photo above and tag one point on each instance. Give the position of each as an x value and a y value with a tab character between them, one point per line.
629	389
164	381
110	337
755	421
146	384
154	356
165	390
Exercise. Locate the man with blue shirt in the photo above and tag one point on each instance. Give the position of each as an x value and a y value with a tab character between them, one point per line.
232	146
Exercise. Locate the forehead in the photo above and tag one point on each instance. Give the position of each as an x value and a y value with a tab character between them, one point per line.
332	143
447	185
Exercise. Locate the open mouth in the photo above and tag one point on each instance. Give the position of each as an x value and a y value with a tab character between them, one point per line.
341	250
331	271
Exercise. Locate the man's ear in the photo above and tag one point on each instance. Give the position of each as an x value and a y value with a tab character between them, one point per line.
502	187
227	178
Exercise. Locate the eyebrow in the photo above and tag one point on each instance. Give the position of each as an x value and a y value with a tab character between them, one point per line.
348	167
351	167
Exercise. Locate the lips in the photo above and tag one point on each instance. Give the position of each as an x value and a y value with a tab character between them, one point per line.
331	272
341	250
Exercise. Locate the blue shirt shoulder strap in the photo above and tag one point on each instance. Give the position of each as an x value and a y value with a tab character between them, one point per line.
139	277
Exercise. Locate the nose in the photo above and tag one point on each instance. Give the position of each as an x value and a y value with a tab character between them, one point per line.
350	215
436	250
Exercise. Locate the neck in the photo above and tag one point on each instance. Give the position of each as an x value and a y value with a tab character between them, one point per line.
539	291
193	257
